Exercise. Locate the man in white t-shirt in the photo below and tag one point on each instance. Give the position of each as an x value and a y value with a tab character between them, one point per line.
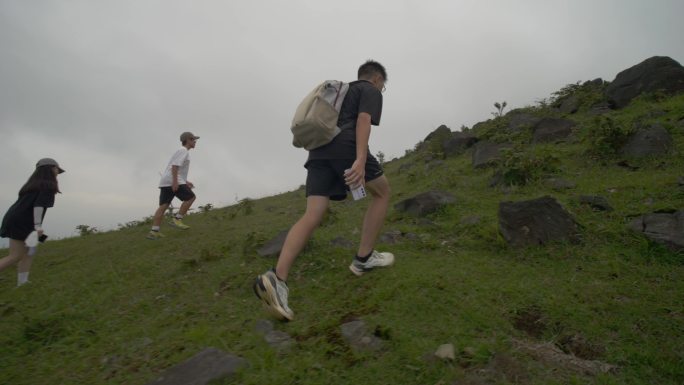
174	183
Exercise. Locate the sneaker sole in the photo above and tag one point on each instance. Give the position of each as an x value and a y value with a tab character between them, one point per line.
265	291
356	271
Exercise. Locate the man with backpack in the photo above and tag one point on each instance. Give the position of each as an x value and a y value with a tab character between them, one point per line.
332	169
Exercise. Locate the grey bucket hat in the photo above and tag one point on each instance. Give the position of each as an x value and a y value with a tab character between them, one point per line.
49	162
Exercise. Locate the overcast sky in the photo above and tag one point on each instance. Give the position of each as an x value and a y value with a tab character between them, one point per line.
106	87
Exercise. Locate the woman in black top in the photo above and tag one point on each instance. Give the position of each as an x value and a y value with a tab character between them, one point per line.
26	215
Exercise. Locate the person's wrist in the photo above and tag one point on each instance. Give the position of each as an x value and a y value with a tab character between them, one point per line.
38	227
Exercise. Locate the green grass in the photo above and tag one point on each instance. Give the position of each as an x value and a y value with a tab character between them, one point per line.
114	308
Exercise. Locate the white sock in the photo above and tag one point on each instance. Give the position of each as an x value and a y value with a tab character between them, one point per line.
22	278
155	228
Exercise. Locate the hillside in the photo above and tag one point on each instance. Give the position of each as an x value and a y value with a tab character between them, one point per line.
601	306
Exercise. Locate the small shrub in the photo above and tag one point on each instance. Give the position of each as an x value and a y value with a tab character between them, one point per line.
605	136
381	157
84	230
499	109
136	223
206	208
519	167
246	205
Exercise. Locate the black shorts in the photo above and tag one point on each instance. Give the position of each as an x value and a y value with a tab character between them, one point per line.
183	193
325	177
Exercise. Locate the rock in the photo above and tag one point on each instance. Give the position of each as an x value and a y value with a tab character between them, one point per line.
596	202
342	243
438	132
570	105
486	153
519	120
390	237
357	337
552	130
535	222
598	82
272	248
653	74
411	236
458	143
405	167
446	352
280	341
664	228
209	365
652	141
263	326
559	184
425	203
599	109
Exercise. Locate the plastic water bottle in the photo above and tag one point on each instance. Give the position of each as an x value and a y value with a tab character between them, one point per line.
32	242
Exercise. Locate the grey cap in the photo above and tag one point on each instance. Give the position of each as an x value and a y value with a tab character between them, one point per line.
49	162
188	135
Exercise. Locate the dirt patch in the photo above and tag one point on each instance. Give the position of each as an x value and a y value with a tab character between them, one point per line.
578	345
530	320
552	355
501	368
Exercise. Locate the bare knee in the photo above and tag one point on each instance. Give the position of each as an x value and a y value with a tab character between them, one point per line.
379	188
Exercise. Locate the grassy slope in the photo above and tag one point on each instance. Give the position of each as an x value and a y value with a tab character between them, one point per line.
116	308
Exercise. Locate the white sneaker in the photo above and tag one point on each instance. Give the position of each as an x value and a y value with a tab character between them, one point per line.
377	259
273	292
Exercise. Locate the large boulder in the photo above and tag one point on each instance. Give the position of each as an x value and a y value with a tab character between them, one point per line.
486	153
552	130
647	142
570	105
654	74
664	228
536	222
519	120
208	366
425	203
458	143
438	132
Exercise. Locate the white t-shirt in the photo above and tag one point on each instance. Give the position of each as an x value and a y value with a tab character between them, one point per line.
180	158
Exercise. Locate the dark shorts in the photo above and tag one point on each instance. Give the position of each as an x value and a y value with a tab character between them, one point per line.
325	177
183	193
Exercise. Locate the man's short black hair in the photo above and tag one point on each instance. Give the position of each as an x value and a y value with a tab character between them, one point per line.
370	68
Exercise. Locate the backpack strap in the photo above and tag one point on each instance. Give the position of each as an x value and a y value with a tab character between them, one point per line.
339	89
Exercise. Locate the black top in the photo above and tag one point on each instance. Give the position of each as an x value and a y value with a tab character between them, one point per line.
18	222
361	97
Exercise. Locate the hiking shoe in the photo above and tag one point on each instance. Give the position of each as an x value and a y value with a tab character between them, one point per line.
273	293
177	223
154	235
376	259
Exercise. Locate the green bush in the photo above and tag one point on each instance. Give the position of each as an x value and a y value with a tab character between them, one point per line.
605	136
519	167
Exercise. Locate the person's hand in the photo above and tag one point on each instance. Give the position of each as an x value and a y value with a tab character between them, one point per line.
40	232
190	185
355	176
174	186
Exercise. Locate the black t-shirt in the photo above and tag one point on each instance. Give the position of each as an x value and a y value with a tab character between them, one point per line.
361	97
18	222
